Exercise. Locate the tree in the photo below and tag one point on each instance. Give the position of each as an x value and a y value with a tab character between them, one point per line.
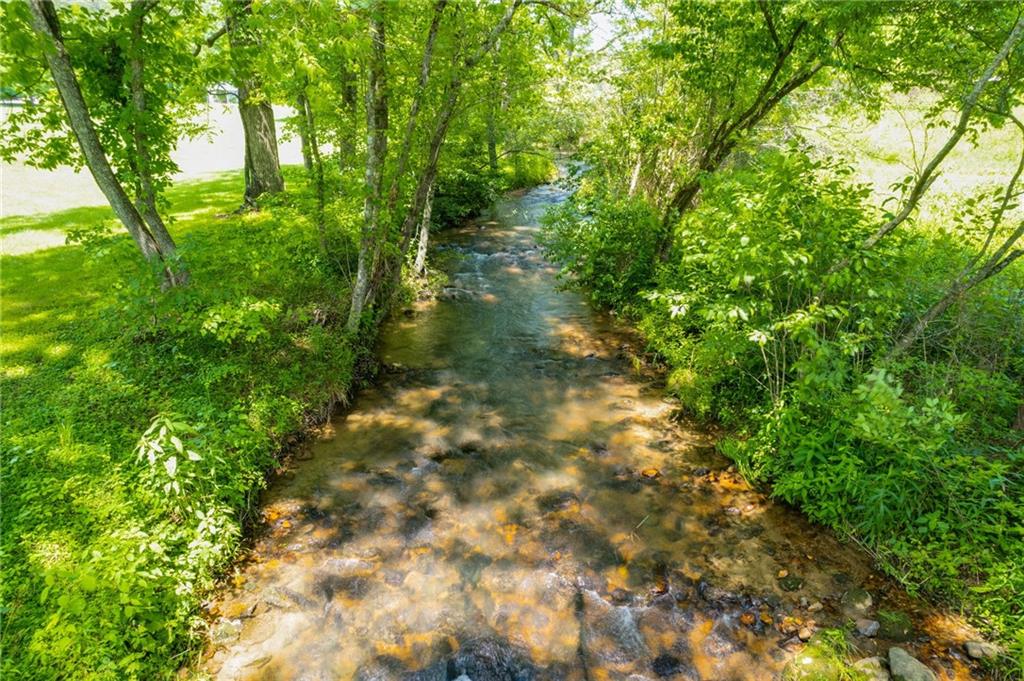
376	152
129	142
262	163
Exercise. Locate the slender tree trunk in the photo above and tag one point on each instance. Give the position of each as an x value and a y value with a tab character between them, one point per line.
301	105
995	264
634	178
376	146
46	23
390	274
414	107
492	142
420	264
350	108
145	195
316	165
928	173
262	164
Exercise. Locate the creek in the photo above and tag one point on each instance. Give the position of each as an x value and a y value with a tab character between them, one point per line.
515	499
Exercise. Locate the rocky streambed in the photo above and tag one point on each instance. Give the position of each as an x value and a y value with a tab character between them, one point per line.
514	500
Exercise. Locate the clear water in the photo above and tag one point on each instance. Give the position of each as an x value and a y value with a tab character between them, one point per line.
512	500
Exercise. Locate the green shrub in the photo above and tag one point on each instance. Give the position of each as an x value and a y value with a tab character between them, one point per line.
138	426
519	171
912	455
607	246
461	194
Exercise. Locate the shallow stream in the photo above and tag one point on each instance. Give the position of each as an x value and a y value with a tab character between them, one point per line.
513	499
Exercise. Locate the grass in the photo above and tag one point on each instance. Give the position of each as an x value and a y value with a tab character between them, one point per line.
187	199
107	546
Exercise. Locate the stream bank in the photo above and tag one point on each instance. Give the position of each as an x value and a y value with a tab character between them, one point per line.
513	500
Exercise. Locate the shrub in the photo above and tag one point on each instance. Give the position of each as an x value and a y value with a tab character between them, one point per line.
606	245
138	427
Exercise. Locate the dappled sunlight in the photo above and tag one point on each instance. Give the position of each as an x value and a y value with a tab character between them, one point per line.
511	481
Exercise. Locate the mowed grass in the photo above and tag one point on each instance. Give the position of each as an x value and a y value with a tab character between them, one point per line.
105	553
187	199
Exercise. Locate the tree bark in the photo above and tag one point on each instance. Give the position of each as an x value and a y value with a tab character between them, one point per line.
301	105
414	107
145	192
262	164
316	167
46	23
376	146
420	264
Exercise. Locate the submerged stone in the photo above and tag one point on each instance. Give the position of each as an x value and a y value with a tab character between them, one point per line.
905	667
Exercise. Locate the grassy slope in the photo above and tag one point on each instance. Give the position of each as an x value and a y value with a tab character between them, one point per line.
102	564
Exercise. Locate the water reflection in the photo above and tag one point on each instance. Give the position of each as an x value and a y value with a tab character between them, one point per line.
512	501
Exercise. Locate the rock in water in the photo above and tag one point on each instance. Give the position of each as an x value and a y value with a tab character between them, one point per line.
866	627
225	631
905	667
896	626
981	649
857	600
872	669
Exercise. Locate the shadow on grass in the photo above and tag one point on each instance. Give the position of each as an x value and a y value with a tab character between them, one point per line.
220	192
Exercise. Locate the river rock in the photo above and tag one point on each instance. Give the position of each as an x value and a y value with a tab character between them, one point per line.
866	627
857	600
981	649
791	583
905	667
895	626
872	669
225	631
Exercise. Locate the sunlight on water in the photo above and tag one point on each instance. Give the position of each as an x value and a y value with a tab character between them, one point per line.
512	501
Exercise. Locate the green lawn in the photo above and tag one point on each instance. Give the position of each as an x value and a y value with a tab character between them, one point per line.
105	553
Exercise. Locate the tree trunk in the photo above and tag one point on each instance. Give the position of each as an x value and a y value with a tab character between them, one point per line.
420	265
999	261
145	194
301	105
376	152
316	165
262	165
928	173
414	107
492	142
350	107
46	23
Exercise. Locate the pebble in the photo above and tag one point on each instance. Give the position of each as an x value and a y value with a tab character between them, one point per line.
857	600
872	669
866	627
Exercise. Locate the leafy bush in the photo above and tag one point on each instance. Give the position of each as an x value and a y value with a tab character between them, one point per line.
607	246
139	425
913	455
519	171
462	193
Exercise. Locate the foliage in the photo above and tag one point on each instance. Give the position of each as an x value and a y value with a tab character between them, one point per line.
911	455
607	246
139	425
